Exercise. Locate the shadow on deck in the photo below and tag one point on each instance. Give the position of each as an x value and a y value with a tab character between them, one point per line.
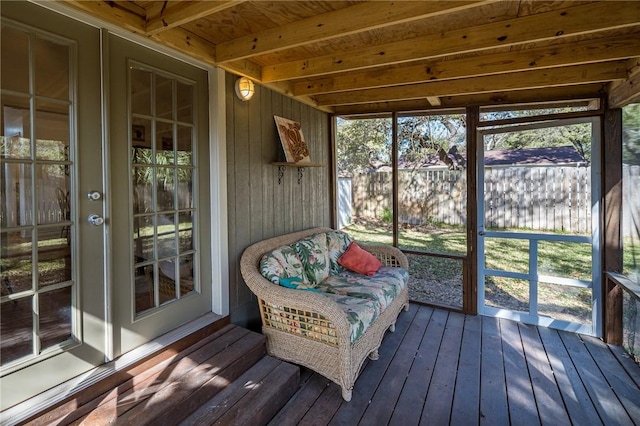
439	368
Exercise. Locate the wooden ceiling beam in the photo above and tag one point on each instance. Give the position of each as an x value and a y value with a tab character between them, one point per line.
627	91
552	94
111	12
364	16
578	74
567	54
567	22
176	13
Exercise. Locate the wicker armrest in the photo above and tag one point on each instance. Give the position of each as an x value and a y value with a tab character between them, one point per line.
388	255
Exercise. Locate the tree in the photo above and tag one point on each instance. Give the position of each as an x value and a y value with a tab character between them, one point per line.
365	144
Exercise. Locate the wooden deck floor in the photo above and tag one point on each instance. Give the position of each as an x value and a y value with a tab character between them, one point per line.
442	368
438	368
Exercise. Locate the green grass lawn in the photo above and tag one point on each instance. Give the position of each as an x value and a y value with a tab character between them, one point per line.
439	280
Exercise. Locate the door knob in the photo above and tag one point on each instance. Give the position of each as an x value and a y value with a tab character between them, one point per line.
94	195
95	219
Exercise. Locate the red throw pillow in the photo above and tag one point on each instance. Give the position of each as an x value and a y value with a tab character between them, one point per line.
358	260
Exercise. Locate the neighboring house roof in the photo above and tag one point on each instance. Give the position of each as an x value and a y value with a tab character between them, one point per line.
529	156
555	155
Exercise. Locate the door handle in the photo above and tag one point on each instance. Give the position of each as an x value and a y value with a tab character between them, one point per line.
481	233
95	219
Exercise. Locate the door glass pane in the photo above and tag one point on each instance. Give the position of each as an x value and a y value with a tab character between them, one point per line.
565	302
14	62
143	238
167	277
539	180
162	187
141	152
16	327
185	146
364	154
506	254
165	188
54	256
17	262
52	131
184	193
142	189
52	189
140	92
166	236
16	127
55	317
186	275
164	97
186	231
144	288
565	260
185	102
17	200
164	143
507	293
51	69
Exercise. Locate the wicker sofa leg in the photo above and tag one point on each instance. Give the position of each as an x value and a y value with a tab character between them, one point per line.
346	394
373	355
392	327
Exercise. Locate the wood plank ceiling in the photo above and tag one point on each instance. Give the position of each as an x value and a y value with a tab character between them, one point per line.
352	57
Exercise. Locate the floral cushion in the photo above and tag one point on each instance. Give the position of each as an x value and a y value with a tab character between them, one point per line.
314	255
282	262
337	243
381	288
360	313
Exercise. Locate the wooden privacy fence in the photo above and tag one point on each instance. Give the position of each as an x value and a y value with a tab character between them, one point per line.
545	198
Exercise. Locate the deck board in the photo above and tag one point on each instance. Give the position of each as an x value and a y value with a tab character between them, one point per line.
437	407
547	394
414	392
466	399
439	367
494	409
475	370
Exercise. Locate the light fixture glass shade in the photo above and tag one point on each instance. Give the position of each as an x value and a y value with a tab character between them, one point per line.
245	88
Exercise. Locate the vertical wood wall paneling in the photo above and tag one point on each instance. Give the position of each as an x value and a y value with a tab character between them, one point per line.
231	194
612	209
242	177
270	146
470	272
278	219
259	208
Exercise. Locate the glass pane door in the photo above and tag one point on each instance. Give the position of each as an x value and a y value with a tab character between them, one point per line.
52	308
538	216
159	132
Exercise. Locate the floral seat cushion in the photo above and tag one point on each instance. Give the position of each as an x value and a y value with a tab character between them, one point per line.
282	262
381	288
337	244
360	312
314	256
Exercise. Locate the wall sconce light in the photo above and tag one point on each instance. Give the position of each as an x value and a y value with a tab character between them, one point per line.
245	88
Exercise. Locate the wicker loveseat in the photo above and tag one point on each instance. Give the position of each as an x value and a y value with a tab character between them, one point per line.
323	329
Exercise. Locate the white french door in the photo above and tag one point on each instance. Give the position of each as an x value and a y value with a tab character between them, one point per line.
52	304
105	235
539	237
160	218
